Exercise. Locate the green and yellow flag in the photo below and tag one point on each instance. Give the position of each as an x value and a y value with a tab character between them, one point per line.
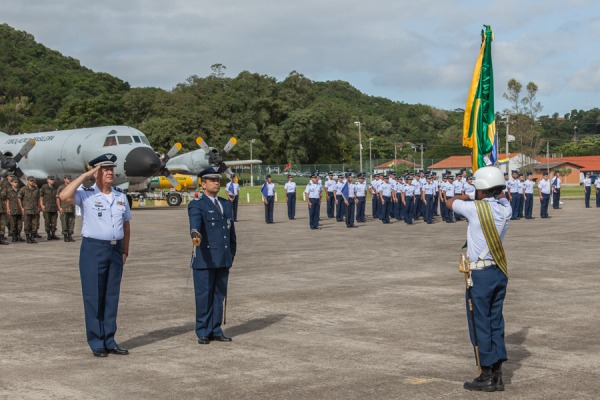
479	127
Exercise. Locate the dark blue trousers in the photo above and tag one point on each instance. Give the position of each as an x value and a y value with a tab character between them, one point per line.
269	208
435	204
443	210
313	213
408	214
340	210
521	205
210	288
385	209
514	203
291	205
528	205
360	209
330	205
597	196
556	198
449	212
588	192
428	214
235	206
396	208
487	294
350	210
418	207
101	269
376	205
544	205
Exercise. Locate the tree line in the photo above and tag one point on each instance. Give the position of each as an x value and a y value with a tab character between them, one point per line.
294	120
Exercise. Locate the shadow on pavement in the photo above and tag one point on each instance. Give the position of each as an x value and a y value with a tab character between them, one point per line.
166	333
516	354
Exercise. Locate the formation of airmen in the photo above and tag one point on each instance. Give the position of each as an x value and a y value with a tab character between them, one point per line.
20	210
409	197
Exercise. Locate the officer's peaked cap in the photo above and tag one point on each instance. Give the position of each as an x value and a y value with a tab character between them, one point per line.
105	160
210	172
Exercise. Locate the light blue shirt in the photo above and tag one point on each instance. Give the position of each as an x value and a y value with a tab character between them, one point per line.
102	219
476	243
528	186
233	188
290	187
361	189
330	185
385	189
270	189
544	186
313	190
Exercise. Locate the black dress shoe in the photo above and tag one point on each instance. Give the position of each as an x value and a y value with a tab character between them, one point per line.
222	338
100	353
203	340
119	351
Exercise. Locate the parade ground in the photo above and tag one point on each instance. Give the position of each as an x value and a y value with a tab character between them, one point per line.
370	313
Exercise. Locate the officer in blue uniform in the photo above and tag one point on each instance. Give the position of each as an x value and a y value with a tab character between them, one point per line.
212	230
587	187
290	197
361	196
528	190
268	192
313	193
544	189
104	249
233	192
330	186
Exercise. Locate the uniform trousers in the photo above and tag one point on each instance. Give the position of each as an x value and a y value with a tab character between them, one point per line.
67	221
210	289
340	210
396	208
449	212
330	205
269	208
31	223
428	214
528	205
313	213
376	205
418	207
588	192
400	211
50	220
101	269
514	204
16	224
544	205
408	215
556	199
597	196
487	294
385	209
360	209
521	205
235	203
291	205
350	209
435	204
443	210
4	224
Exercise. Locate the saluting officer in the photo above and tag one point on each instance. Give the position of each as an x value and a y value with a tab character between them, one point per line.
313	194
212	230
290	196
49	208
105	228
29	198
66	211
361	197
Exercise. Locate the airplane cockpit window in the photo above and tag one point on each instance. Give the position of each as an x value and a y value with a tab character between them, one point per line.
110	141
145	141
137	139
124	139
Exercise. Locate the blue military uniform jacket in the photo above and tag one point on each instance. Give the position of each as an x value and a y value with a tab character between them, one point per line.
218	244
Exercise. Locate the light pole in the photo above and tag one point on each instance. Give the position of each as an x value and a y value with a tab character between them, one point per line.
357	123
509	138
251	169
370	160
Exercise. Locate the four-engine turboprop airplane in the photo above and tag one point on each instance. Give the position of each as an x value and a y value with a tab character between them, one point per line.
68	152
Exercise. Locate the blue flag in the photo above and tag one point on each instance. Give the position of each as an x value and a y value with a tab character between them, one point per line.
345	190
230	187
264	190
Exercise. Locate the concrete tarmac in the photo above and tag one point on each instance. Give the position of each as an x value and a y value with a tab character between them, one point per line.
370	313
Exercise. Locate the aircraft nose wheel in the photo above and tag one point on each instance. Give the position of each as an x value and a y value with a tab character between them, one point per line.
174	199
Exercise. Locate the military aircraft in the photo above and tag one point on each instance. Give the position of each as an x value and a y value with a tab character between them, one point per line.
68	152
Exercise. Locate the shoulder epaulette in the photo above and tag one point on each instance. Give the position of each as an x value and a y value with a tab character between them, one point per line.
118	189
88	189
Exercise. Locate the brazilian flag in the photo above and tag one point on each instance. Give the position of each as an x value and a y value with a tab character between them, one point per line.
479	127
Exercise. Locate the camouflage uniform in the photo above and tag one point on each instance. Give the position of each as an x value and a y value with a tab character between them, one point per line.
67	216
48	197
3	216
15	218
30	201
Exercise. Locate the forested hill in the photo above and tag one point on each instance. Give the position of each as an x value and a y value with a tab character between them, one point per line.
296	119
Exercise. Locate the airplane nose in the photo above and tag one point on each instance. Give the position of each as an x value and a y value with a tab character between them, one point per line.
141	161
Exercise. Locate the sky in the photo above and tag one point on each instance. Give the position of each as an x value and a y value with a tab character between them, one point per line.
409	51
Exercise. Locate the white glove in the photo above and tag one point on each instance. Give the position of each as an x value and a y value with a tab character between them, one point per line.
471	195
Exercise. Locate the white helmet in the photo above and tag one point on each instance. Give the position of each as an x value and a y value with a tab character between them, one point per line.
487	178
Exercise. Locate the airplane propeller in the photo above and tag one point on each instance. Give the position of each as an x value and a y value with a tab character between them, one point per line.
164	171
11	163
215	157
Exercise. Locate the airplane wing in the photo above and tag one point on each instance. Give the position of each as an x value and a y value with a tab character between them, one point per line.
236	163
180	169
